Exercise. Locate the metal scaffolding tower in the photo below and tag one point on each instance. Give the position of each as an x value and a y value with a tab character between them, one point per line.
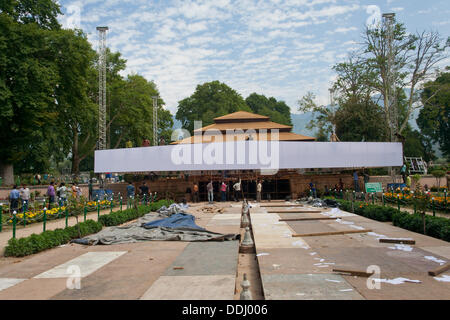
155	120
389	21
102	87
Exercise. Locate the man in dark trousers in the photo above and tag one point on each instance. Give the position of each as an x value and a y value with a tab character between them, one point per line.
144	191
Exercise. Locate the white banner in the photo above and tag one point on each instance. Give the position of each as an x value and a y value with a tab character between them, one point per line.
250	155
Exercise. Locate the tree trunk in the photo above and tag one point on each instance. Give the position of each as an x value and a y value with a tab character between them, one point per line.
75	156
7	173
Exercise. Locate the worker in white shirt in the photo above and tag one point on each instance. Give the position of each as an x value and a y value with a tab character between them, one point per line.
237	190
258	191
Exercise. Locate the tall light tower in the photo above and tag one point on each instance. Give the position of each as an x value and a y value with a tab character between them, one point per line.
102	87
155	120
389	21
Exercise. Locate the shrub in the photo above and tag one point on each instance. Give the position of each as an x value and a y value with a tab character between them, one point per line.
49	239
120	217
436	227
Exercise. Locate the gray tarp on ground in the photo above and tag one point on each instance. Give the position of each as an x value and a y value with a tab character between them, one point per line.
135	232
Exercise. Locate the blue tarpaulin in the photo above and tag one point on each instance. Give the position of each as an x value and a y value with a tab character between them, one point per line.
175	221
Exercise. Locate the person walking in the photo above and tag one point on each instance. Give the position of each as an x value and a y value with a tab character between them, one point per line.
14	196
62	193
355	180
223	190
237	190
144	191
24	197
210	189
51	193
258	191
195	189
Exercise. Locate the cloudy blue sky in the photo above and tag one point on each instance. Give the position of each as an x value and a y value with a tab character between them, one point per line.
280	48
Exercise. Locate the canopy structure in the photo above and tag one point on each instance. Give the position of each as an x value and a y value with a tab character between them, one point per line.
250	155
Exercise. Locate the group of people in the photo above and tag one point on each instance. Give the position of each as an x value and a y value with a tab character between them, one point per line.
62	192
19	196
223	188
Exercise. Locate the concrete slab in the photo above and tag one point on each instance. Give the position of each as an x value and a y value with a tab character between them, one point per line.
308	287
206	258
391	262
310	227
88	263
130	276
28	267
268	232
34	289
427	289
6	283
212	287
443	251
291	261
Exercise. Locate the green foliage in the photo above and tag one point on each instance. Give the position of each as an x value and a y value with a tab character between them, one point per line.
437	227
278	111
434	117
210	100
360	121
120	217
44	13
49	239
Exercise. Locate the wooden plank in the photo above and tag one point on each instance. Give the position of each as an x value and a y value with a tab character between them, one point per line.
405	241
306	219
294	211
352	272
439	270
331	233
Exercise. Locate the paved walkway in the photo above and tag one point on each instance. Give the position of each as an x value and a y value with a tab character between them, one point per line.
300	268
145	270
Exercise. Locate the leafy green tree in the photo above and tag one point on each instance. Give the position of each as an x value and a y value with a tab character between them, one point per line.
44	13
360	121
210	100
28	78
324	117
133	119
76	111
278	111
434	117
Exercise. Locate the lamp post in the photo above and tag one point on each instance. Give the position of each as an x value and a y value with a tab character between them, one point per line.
14	224
45	218
98	210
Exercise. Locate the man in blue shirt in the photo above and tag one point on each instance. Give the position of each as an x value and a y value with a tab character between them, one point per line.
130	190
355	179
14	199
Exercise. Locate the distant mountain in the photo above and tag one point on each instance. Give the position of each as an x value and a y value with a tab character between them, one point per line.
300	121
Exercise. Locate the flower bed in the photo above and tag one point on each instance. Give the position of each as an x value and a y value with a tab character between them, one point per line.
50	239
440	203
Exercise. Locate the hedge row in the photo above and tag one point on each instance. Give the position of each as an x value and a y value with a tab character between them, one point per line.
436	227
119	217
50	239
